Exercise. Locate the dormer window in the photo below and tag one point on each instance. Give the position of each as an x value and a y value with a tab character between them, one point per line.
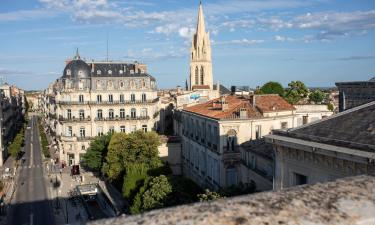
68	72
98	72
80	73
110	72
121	71
131	71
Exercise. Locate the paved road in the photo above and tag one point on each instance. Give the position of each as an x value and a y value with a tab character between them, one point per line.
31	204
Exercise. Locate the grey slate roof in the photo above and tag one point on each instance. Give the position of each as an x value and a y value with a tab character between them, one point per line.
259	147
372	79
354	128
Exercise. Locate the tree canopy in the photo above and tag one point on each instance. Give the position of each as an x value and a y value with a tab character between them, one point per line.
316	96
156	194
272	88
134	148
96	153
296	91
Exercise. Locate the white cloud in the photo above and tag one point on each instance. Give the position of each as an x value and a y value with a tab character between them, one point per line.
186	32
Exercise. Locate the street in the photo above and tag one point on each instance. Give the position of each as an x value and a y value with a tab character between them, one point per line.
31	204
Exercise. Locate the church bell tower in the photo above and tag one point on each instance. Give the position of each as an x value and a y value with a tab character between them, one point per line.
200	57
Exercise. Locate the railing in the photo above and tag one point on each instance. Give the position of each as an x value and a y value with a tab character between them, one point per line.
62	119
122	118
107	102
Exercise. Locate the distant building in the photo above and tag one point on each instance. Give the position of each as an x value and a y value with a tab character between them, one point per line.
310	113
339	146
355	93
212	133
12	111
94	98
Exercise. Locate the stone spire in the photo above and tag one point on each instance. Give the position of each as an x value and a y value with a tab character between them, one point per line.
76	57
200	56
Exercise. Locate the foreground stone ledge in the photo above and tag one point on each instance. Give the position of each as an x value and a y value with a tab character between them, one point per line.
345	201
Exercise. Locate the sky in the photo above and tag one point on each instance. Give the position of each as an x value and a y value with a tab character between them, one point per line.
319	42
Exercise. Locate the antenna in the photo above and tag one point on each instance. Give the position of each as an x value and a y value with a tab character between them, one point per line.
107	46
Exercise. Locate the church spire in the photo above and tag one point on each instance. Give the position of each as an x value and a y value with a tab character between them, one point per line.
201	28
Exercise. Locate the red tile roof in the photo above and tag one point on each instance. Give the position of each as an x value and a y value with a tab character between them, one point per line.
264	103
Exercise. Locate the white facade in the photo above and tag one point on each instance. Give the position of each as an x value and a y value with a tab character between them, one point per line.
310	113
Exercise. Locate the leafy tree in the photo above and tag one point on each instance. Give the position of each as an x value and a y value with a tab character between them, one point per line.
15	146
316	96
296	91
156	193
208	196
96	153
272	88
133	179
126	149
330	107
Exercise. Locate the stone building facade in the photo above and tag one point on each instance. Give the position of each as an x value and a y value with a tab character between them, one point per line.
339	146
94	98
212	133
310	113
355	93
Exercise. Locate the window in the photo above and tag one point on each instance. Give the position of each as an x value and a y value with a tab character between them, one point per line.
133	128
81	84
109	72
144	128
100	114
202	76
82	132
83	147
122	129
111	129
69	131
122	99
69	113
133	113
300	179
121	84
98	72
68	72
196	76
231	140
231	176
143	97
111	114
132	97
81	114
144	112
305	119
80	98
100	131
122	113
110	84
284	125
110	98
121	71
99	98
258	131
80	73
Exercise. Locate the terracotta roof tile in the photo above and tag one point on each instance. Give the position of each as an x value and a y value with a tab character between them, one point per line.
213	108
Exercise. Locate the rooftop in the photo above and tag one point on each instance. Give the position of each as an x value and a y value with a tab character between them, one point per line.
259	147
344	201
354	128
234	103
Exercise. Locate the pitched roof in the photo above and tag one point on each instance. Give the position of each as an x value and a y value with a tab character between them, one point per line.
264	103
354	128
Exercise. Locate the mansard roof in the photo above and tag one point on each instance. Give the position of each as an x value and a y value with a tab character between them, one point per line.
354	128
235	103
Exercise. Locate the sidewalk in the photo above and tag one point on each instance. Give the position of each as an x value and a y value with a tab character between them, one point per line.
8	179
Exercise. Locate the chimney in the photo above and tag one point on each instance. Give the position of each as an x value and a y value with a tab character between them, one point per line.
233	90
224	104
243	113
253	100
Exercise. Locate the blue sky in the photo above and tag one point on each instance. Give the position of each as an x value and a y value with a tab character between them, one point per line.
253	41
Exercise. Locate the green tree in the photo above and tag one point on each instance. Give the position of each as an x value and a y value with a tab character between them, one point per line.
96	153
133	179
15	146
330	107
296	91
316	96
272	88
208	196
134	148
156	193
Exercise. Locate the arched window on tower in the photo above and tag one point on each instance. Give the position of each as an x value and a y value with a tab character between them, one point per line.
202	75
196	76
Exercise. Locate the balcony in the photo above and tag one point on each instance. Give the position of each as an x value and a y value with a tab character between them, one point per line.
127	102
63	119
121	118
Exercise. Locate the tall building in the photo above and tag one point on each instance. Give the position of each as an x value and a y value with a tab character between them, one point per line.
200	57
94	98
355	93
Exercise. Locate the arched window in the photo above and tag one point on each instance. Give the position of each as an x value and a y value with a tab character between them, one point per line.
111	114
196	76
202	75
100	114
231	140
